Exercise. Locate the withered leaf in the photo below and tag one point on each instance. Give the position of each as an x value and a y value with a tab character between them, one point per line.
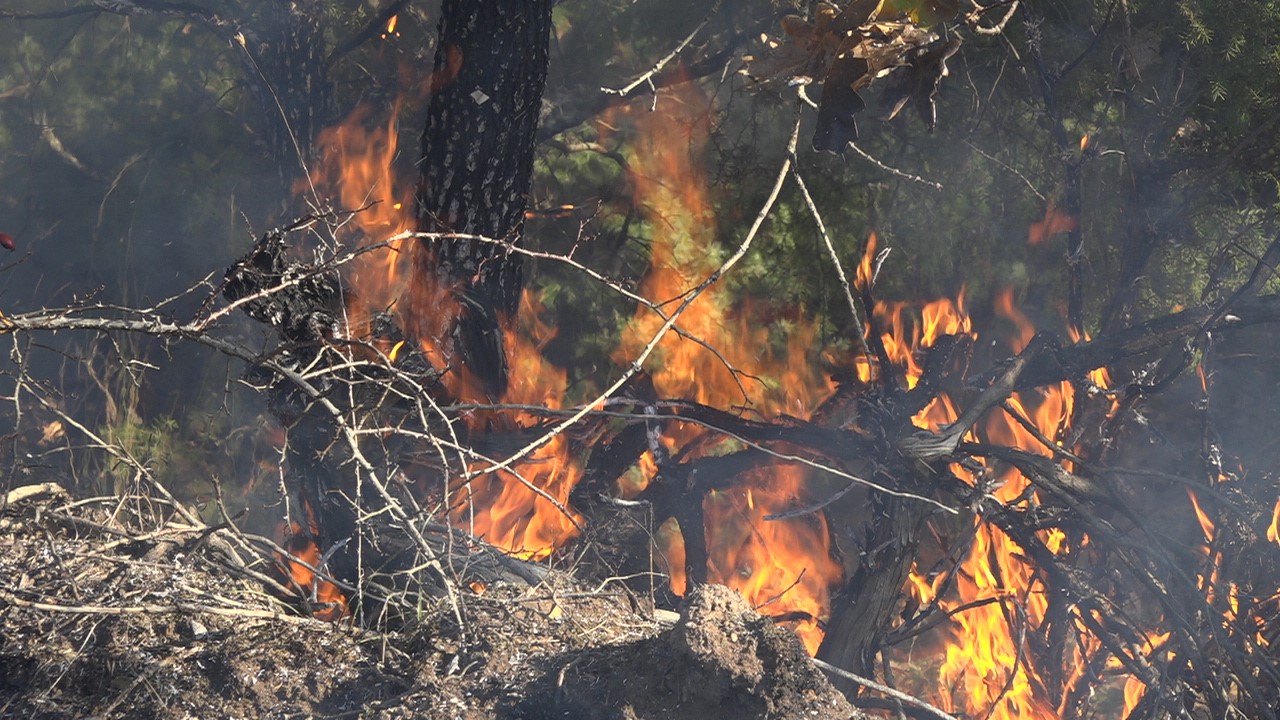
846	48
837	126
926	66
810	46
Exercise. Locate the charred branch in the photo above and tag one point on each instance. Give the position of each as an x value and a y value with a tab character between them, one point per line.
372	29
1073	361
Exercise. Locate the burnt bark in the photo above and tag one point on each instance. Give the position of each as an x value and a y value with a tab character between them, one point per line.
285	69
861	610
477	164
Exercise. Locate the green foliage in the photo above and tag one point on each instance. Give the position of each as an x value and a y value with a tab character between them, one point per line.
1196	31
153	444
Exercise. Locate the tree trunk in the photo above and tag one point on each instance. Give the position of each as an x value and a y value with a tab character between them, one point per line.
284	66
862	611
477	163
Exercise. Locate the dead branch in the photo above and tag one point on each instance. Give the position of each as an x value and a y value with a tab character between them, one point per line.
647	77
884	690
370	31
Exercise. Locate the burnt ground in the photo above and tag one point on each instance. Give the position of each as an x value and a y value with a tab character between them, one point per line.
106	615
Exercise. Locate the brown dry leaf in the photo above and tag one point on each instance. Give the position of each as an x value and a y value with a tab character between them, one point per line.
846	48
52	433
926	66
809	47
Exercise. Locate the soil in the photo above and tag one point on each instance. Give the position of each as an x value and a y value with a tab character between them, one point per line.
106	614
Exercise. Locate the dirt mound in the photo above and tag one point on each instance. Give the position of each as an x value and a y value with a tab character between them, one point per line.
106	614
721	660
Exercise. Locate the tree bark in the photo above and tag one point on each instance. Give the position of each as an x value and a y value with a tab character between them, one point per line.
284	66
861	611
477	164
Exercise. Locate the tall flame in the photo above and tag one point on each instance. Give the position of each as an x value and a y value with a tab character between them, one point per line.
523	509
783	566
997	595
501	507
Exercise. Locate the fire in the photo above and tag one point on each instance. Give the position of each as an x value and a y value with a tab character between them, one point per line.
785	566
1055	221
984	660
1134	688
997	595
502	507
299	569
1206	524
323	595
524	509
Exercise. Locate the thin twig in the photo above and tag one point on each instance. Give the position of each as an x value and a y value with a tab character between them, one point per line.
180	607
884	690
895	171
854	306
647	78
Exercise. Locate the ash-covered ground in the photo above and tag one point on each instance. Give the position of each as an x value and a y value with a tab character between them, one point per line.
103	614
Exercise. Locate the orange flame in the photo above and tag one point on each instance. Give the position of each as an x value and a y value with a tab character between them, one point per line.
524	509
985	672
1206	524
299	567
1055	221
501	507
1134	688
1006	309
866	268
782	566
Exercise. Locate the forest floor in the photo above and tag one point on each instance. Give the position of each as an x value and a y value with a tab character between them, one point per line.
104	616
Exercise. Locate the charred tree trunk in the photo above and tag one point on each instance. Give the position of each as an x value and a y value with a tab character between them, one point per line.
861	611
477	163
285	68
